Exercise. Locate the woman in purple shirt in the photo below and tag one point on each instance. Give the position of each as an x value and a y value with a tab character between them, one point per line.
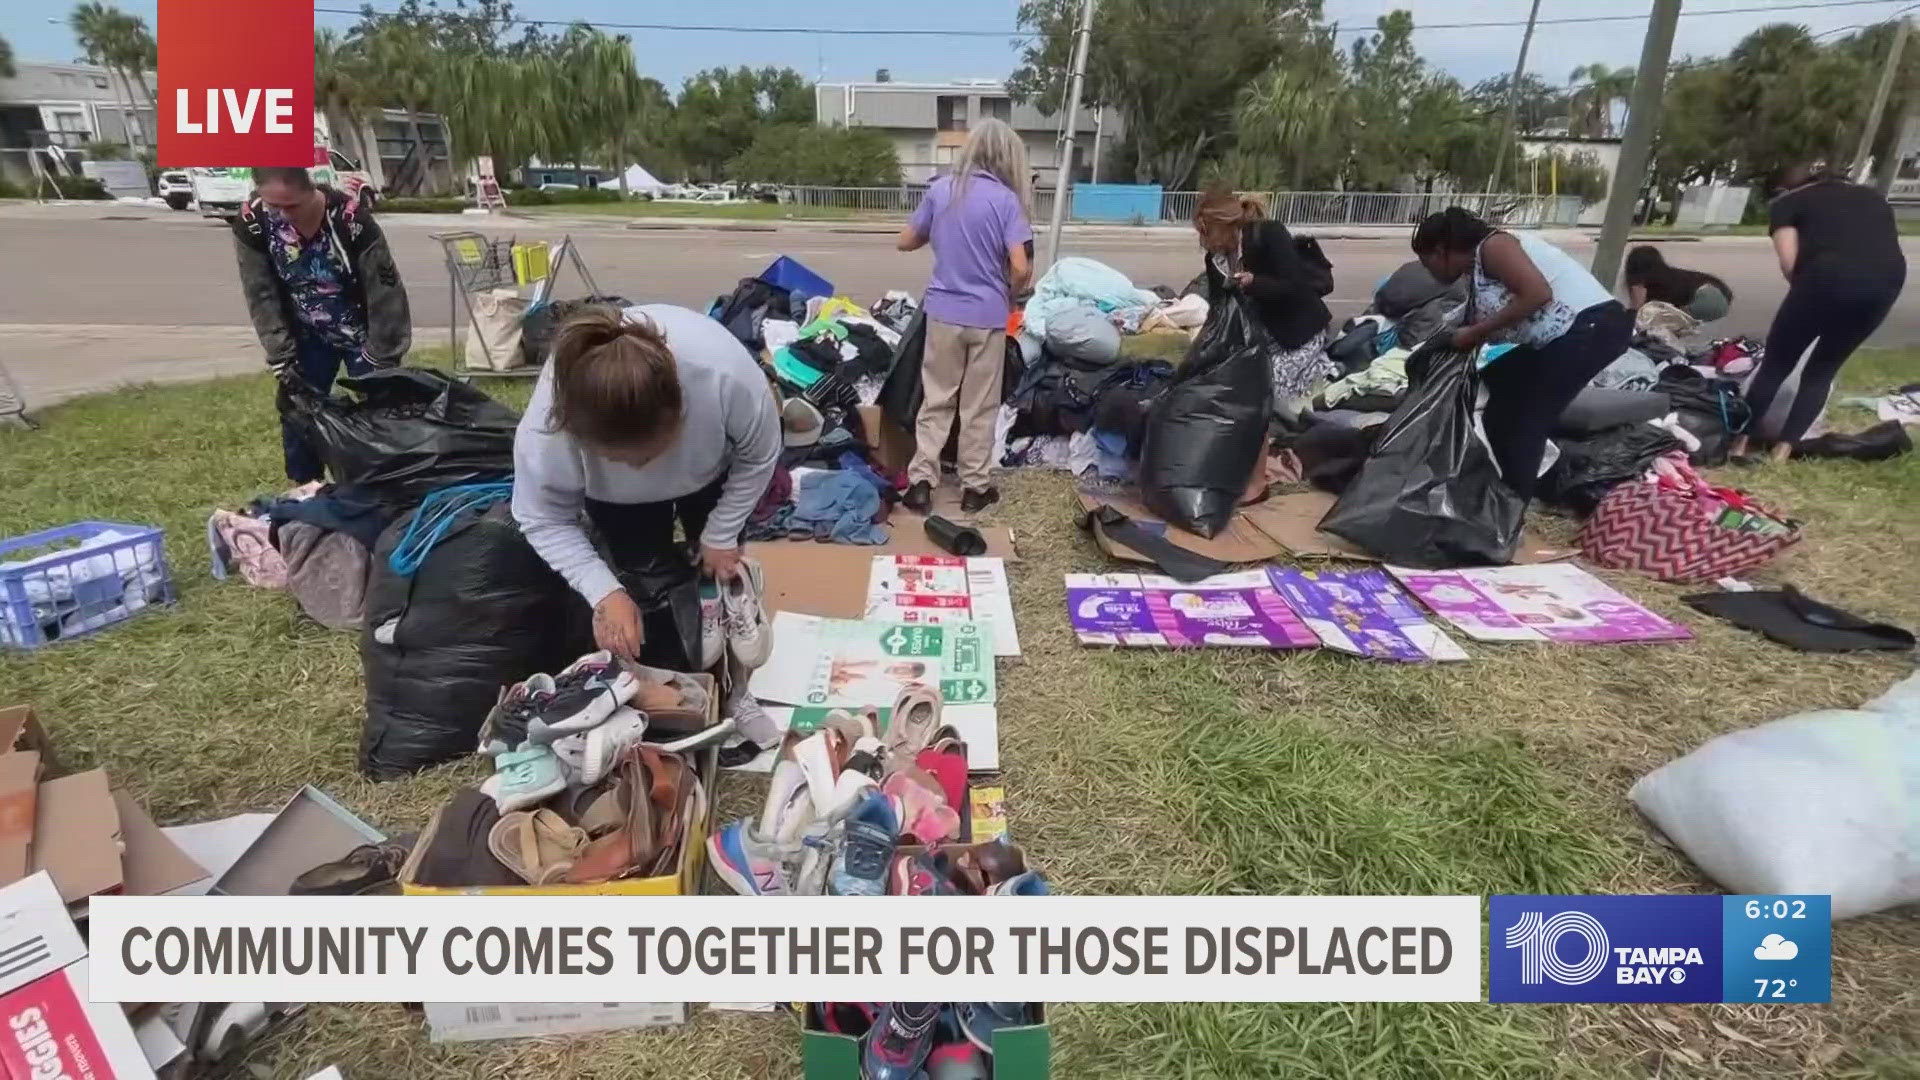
976	219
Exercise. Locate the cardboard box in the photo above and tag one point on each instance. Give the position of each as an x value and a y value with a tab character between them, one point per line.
19	794
309	830
685	881
55	1030
468	1021
152	864
76	835
1019	1053
892	447
20	730
808	578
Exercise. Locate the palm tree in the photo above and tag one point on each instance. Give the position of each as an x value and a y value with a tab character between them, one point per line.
122	44
1593	90
406	69
340	87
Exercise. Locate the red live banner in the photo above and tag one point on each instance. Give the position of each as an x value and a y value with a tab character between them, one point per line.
236	83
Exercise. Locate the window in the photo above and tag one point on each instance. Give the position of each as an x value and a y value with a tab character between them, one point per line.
998	108
100	82
943	155
951	112
70	121
341	162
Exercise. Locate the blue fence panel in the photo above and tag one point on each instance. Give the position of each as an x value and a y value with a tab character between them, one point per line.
1116	202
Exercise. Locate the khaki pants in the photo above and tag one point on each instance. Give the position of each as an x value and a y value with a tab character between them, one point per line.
961	371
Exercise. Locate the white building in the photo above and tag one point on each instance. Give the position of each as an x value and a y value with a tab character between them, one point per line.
68	105
928	122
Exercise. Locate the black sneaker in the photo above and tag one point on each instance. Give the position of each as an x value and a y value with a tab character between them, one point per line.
972	502
919	497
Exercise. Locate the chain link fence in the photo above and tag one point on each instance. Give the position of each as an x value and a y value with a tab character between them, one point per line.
1313	208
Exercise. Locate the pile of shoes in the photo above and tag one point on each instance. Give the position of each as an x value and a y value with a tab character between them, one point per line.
902	1040
584	789
846	799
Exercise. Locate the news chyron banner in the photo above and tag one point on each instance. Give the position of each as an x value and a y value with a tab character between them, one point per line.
236	83
1660	948
812	948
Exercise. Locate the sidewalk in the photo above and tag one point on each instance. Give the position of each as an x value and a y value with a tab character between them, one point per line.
56	361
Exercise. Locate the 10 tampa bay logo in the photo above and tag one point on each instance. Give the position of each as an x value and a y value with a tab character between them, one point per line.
1605	948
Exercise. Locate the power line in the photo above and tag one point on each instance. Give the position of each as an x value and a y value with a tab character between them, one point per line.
874	31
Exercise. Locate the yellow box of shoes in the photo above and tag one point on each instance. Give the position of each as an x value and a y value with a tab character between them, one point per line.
685	878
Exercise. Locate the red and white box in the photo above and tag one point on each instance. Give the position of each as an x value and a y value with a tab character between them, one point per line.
50	1028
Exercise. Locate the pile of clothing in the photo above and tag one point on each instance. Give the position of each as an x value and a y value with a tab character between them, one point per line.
316	541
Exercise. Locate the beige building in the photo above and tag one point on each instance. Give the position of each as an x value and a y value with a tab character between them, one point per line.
68	106
928	122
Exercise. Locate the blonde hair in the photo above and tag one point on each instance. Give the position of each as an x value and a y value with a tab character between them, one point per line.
994	148
1221	209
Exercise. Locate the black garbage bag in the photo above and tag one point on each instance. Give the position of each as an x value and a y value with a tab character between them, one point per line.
483	611
408	432
1206	430
1711	409
1589	466
1430	495
902	392
539	325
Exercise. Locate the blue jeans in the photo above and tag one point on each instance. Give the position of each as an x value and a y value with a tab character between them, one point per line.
316	362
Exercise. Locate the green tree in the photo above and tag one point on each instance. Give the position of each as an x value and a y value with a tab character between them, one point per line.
1172	69
825	156
6	59
120	43
1540	105
342	88
1593	90
1388	79
722	109
1291	124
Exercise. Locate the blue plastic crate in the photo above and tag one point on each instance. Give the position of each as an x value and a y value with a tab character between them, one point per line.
71	581
788	274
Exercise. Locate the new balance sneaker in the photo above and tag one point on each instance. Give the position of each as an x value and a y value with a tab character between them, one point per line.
592	754
744	617
750	864
507	723
788	780
866	849
713	633
958	1061
901	1039
980	1019
584	696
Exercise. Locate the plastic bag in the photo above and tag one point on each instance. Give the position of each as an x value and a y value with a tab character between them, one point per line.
483	611
1204	433
411	430
1713	410
1430	496
1820	802
1592	465
1083	334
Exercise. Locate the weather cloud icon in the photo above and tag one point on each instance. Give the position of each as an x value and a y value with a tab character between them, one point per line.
1775	947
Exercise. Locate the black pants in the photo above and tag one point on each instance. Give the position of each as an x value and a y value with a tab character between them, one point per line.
1530	386
657	571
1835	313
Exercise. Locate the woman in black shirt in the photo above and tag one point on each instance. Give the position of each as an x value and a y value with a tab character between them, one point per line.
1283	278
1840	252
1650	277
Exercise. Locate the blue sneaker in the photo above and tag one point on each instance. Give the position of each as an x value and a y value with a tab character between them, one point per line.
865	854
1027	884
900	1040
750	864
980	1019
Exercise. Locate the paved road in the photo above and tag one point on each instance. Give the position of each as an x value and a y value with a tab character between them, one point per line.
94	296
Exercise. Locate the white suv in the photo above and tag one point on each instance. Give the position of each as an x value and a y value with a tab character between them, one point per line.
176	187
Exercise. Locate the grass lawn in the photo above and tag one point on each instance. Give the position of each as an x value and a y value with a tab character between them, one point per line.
1128	771
734	211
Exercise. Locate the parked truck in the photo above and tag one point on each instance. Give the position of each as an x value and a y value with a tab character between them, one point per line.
219	192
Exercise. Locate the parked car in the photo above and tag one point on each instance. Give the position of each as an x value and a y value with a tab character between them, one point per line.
555	186
176	188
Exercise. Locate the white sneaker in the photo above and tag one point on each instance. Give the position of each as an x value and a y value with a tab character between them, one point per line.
788	779
744	616
591	754
713	634
816	761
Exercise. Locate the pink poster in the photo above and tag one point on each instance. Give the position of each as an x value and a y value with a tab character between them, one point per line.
1548	602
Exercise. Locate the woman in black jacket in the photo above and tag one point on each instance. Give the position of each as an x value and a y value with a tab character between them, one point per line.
1650	277
1283	279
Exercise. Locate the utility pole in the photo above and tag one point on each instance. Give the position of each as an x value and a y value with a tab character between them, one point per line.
1063	186
1513	101
1880	93
1643	119
1099	133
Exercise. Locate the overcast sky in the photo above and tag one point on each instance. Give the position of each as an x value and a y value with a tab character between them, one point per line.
670	56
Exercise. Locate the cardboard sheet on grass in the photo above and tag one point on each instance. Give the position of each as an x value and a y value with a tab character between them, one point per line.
852	663
832	580
1145	610
1363	613
938	590
1558	602
1282	525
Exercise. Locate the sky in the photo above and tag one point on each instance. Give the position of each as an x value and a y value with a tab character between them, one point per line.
1471	54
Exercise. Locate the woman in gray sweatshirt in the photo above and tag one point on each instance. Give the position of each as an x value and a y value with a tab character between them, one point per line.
641	420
